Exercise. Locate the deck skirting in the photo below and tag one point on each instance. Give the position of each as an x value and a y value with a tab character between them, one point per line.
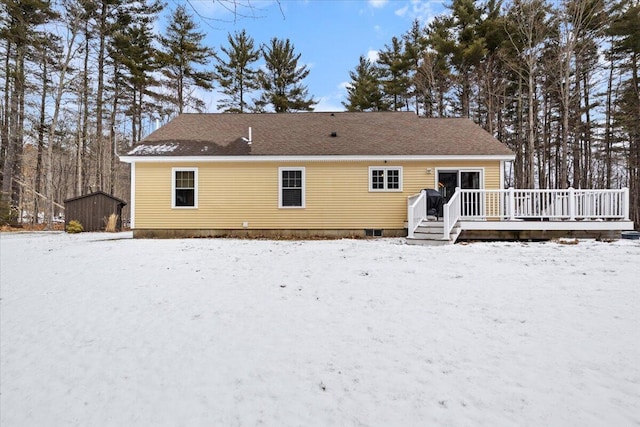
568	225
516	235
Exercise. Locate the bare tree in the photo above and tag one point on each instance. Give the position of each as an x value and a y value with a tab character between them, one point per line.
574	18
71	48
527	29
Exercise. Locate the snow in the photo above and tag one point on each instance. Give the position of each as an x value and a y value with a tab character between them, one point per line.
148	149
104	330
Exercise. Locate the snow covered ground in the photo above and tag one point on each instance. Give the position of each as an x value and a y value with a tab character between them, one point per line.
104	330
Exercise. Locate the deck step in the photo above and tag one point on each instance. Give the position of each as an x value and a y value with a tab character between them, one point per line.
432	233
427	242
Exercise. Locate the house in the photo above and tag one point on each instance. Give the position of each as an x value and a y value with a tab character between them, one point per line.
302	174
92	210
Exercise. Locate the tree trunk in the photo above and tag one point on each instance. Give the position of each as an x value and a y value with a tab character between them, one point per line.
521	169
180	91
546	138
607	124
466	95
4	133
41	132
100	94
577	126
563	167
134	124
54	123
82	142
114	142
531	138
77	191
139	110
587	173
634	149
15	129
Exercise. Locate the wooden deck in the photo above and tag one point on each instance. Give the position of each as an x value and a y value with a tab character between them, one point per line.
520	214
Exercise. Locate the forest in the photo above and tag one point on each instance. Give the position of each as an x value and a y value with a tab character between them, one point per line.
84	80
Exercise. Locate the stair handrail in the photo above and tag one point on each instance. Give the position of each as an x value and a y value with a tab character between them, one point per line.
451	213
416	211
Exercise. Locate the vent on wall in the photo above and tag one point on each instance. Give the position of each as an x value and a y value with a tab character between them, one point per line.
372	232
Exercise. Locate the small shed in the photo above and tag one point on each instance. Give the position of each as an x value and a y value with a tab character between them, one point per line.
92	210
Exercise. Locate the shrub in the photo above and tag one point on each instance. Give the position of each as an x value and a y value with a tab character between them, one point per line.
74	226
8	213
111	223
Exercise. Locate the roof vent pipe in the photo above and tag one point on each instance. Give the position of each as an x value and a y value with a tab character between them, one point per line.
250	140
334	134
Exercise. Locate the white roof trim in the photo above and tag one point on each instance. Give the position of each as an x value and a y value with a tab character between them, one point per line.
265	158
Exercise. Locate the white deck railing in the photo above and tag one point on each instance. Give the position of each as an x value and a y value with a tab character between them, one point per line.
416	211
451	212
569	204
518	204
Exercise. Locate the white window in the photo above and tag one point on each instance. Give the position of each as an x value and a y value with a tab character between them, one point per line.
184	187
382	178
291	187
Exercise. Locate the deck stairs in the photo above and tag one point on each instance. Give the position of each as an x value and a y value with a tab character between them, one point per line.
430	232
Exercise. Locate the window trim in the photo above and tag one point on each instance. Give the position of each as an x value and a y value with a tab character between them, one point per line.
386	188
173	187
280	188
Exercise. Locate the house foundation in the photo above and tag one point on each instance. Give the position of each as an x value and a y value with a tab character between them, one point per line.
267	233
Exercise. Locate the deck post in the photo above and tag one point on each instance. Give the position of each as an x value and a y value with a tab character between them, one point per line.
512	204
572	204
625	200
445	223
409	219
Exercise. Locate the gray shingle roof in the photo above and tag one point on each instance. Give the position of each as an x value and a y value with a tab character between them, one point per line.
318	134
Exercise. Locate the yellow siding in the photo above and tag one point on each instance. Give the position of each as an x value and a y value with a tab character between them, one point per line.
337	195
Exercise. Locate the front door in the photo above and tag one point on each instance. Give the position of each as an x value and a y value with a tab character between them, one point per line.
448	180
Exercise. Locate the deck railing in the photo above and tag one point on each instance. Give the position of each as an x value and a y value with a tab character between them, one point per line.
416	211
569	204
518	205
451	212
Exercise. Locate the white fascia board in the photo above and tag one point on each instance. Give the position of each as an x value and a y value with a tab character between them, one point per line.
224	159
132	205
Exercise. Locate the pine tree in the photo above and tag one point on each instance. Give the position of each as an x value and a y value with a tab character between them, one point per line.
469	48
47	54
624	29
236	76
364	92
134	49
394	66
181	53
415	47
434	78
18	27
281	82
490	73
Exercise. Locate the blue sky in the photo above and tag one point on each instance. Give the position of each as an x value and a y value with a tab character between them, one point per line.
330	34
